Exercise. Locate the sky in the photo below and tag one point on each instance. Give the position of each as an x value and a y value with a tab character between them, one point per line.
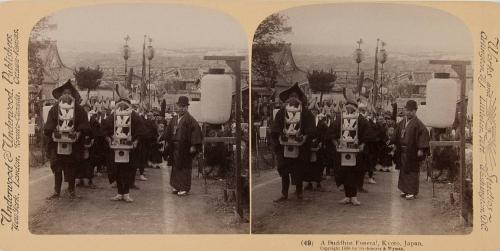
403	27
103	27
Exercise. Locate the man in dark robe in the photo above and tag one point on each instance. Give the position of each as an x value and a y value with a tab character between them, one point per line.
99	147
60	163
384	157
184	138
370	152
123	173
292	167
318	140
86	168
144	147
151	141
333	158
411	139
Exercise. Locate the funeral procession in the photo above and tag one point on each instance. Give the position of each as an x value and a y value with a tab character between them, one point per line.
137	127
361	125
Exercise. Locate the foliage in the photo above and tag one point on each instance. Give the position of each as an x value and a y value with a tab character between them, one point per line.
88	78
266	41
321	81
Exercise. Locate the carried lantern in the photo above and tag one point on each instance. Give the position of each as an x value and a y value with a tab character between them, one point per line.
65	134
292	137
441	101
122	135
216	96
348	143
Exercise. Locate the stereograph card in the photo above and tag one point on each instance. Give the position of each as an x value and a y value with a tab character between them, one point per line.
249	125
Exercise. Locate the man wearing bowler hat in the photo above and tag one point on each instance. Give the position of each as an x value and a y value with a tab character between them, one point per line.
411	139
184	138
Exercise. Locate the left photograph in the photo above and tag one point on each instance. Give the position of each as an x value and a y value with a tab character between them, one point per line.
138	121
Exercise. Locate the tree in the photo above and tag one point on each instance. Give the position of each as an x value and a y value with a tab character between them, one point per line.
266	41
87	78
321	81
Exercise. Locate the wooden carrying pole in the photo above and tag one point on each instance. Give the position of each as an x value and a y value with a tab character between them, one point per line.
459	67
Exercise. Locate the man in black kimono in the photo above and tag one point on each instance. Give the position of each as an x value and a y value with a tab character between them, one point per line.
292	167
143	149
123	173
317	163
86	168
370	152
184	138
333	157
151	141
59	163
411	139
99	148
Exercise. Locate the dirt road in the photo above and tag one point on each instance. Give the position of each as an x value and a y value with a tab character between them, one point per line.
382	210
154	210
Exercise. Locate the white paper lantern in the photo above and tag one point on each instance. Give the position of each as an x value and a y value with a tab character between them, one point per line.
194	109
441	101
216	97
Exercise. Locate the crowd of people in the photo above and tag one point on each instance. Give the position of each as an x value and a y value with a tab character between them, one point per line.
156	140
385	143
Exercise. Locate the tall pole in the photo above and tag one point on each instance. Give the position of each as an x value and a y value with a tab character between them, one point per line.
149	84
143	71
150	57
358	60
460	67
461	70
234	62
381	83
126	52
126	55
358	56
235	66
375	78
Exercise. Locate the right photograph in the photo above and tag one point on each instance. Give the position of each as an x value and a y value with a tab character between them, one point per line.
362	121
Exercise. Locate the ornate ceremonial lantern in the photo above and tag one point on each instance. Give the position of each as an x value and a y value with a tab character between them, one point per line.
348	142
122	137
65	134
292	137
